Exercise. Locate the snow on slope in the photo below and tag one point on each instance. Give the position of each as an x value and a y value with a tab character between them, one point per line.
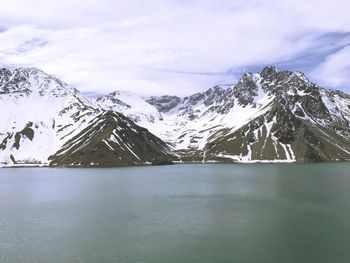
38	114
131	105
194	119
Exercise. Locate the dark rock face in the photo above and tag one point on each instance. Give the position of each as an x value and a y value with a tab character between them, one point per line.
213	95
245	90
13	82
27	132
113	140
164	103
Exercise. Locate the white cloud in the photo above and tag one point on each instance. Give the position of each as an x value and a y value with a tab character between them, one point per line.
334	71
143	46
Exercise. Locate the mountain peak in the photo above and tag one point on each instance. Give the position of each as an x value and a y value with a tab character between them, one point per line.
268	70
31	80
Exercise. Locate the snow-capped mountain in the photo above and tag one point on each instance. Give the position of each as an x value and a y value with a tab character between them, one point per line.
271	116
42	119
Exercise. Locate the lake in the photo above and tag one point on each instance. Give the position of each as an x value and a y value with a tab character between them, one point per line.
180	213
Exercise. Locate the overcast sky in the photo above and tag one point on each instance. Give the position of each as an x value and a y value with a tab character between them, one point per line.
175	46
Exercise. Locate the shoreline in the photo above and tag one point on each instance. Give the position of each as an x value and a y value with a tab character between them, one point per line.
175	163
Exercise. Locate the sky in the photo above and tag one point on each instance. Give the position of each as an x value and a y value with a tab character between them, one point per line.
176	47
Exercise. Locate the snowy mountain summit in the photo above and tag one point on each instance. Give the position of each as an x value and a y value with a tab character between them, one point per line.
271	116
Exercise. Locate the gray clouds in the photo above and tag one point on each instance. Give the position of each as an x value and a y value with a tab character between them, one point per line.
175	47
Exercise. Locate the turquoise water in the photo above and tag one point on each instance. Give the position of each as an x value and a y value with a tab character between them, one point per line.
181	213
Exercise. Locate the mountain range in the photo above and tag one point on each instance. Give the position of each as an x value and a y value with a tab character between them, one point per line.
270	116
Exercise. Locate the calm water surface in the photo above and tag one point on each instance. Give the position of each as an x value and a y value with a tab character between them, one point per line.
182	213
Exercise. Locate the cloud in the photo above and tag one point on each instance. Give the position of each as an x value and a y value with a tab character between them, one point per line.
334	71
170	46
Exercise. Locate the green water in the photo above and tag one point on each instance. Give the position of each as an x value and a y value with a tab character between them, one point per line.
182	213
